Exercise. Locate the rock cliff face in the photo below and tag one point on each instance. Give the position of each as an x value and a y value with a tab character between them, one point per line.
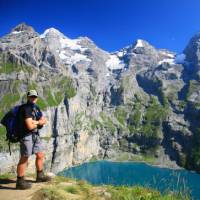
135	103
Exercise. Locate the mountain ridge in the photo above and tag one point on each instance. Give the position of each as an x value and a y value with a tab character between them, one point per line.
130	104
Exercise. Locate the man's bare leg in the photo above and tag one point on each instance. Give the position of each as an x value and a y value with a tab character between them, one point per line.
21	167
39	161
39	166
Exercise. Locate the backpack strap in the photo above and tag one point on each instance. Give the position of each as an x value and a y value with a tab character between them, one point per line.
37	111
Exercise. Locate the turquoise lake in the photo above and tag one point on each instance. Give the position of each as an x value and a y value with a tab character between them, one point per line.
131	173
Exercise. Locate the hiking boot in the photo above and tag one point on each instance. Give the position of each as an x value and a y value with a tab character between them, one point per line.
22	184
41	177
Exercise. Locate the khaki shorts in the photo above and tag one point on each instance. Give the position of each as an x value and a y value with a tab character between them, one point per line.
30	144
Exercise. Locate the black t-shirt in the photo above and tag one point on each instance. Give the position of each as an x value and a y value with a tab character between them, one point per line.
27	111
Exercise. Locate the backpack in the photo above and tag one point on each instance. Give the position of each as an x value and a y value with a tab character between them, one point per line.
10	121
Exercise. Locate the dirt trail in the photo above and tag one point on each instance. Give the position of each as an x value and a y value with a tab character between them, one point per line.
8	191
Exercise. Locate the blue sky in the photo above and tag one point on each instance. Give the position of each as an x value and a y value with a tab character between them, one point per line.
111	24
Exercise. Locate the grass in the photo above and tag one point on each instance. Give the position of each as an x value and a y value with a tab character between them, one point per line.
94	124
78	121
93	159
32	85
7	101
53	93
42	103
192	87
65	86
142	193
52	193
3	143
7	176
72	189
107	123
152	119
10	97
59	97
53	96
49	97
8	68
135	118
143	118
62	188
126	156
126	193
120	114
146	120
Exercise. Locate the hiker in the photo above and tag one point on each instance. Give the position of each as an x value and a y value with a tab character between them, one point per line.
30	142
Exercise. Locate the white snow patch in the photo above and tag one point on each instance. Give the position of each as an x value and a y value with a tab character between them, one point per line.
167	60
180	58
120	54
139	44
16	32
114	63
79	57
64	41
49	31
72	44
169	55
62	55
74	58
173	59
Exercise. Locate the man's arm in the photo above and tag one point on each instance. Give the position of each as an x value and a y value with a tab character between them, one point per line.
32	124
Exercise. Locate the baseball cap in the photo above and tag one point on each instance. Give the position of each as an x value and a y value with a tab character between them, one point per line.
32	93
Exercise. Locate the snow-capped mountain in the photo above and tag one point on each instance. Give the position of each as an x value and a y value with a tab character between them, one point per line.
138	100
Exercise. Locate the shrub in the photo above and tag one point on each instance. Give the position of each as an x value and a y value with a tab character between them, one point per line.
7	101
121	115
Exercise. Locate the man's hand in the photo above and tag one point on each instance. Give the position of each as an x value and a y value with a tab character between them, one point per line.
42	121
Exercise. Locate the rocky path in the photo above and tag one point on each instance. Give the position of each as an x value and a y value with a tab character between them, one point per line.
8	191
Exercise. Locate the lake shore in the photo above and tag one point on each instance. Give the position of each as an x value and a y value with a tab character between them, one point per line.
162	161
136	173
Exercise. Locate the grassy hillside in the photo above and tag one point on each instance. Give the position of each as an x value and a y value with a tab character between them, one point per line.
67	189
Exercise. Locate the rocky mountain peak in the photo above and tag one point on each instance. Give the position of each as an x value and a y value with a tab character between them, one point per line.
51	32
22	27
141	47
140	43
54	35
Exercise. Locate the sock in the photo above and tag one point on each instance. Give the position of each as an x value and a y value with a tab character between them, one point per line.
39	171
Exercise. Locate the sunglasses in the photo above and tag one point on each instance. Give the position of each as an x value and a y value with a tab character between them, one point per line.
33	96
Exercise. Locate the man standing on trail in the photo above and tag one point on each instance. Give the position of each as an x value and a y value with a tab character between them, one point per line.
31	120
